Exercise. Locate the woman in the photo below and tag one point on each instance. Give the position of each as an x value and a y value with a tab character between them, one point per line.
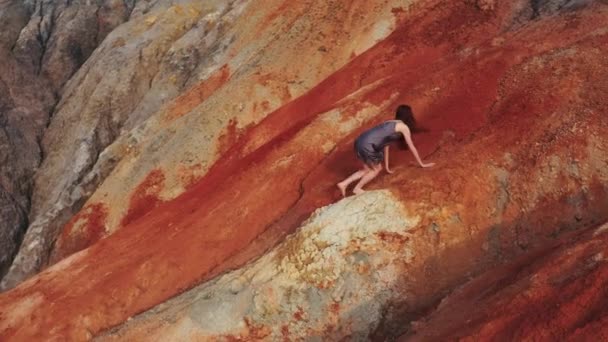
372	147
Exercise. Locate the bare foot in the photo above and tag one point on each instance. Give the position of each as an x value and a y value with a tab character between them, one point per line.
342	188
358	191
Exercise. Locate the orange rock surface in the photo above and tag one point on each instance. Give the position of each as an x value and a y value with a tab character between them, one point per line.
517	120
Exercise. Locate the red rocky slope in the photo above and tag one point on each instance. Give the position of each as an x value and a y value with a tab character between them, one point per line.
517	124
558	293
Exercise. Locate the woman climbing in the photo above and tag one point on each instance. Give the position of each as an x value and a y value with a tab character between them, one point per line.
372	146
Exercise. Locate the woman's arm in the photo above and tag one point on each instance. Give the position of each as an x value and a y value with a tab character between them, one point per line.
408	139
386	159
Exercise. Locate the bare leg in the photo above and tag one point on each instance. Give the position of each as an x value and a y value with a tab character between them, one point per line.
355	176
367	178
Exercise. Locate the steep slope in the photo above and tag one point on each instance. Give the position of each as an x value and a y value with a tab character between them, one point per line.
42	44
557	294
358	267
478	79
25	104
229	74
91	112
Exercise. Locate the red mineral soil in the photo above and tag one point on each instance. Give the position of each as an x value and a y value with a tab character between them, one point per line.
439	60
93	217
558	293
262	71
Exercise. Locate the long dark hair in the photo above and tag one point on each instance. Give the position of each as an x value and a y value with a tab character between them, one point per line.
406	115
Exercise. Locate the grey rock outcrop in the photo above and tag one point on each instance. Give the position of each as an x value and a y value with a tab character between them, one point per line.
42	44
535	9
61	35
25	103
341	266
136	69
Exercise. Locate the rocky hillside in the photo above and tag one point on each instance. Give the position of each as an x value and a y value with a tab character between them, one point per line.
42	44
557	293
183	156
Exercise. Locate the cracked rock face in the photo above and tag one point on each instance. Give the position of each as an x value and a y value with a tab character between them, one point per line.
42	44
25	103
60	35
129	76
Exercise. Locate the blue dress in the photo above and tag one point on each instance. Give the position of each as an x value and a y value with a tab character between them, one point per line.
369	146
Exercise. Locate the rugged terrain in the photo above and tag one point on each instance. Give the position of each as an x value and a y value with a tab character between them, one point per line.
189	164
42	44
555	294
